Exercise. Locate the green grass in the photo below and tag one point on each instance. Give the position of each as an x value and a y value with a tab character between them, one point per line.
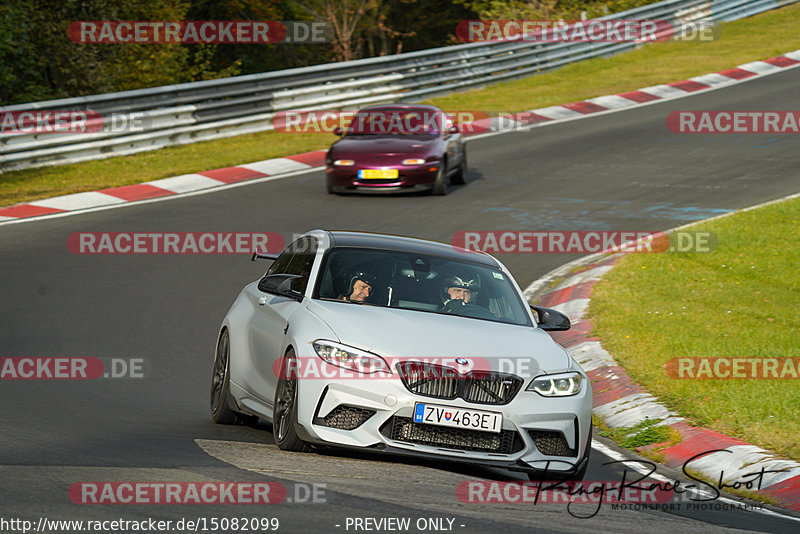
738	301
644	433
31	184
759	37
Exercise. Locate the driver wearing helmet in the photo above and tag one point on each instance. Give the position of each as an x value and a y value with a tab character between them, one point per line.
359	287
459	290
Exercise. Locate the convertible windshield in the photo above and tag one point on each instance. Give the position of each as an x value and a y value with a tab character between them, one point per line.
397	122
420	282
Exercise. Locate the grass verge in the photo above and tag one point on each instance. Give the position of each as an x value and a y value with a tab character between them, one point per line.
759	37
739	301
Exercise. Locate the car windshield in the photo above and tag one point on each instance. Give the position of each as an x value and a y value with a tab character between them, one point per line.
420	282
397	122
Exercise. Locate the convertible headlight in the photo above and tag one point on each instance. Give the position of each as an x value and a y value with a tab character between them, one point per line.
560	385
344	162
413	161
350	358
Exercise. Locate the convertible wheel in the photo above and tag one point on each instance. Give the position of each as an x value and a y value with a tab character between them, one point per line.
440	184
284	414
220	387
460	177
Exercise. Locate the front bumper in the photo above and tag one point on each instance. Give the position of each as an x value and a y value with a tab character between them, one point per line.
526	419
411	178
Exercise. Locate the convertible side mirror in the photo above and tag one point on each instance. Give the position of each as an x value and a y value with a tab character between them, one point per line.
338	131
453	130
550	319
281	284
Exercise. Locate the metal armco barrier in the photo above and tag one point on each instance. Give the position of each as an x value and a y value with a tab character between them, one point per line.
199	111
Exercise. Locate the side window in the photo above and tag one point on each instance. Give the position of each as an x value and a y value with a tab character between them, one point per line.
280	265
302	261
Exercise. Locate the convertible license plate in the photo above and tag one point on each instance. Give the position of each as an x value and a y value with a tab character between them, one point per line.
379	174
434	414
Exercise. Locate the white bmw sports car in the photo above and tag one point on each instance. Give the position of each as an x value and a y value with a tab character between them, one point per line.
404	346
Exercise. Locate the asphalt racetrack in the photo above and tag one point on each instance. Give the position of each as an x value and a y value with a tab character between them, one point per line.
619	171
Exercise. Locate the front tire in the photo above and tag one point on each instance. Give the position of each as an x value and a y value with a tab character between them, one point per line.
460	178
284	411
440	184
220	400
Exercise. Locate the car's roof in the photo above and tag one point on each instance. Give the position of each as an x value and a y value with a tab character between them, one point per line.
378	107
408	244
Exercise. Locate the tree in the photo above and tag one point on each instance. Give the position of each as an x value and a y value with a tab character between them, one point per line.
344	17
38	60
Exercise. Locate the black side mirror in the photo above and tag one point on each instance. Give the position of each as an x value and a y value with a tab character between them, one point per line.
550	319
281	284
338	131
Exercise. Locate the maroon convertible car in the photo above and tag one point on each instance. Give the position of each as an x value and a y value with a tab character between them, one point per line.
394	148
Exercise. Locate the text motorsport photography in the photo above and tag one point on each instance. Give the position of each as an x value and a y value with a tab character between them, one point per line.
632	491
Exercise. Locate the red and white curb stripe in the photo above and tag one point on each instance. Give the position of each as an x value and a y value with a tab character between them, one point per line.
640	97
217	178
174	186
620	402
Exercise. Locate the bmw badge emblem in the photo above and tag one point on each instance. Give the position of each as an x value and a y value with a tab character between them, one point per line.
462	361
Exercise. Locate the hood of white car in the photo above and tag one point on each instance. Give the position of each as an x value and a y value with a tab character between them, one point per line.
407	334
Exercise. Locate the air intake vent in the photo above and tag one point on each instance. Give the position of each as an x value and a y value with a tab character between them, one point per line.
405	429
551	443
347	417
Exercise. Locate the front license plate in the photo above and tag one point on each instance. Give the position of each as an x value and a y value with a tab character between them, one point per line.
378	174
434	414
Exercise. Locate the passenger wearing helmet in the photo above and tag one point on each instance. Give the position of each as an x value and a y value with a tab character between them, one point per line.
359	287
460	288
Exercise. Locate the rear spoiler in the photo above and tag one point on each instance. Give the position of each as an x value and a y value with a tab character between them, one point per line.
263	255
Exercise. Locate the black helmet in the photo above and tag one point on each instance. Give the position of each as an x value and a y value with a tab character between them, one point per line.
364	276
472	282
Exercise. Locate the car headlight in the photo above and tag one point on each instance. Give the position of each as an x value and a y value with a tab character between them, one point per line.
413	161
560	385
350	358
344	162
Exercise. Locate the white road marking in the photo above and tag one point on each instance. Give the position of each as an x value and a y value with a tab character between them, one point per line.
185	183
78	201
